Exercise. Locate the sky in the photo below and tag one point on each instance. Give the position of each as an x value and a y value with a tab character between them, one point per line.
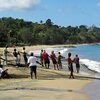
61	12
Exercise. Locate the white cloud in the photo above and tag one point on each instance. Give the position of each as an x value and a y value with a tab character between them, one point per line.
98	5
18	4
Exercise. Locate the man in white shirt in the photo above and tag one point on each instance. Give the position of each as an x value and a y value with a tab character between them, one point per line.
32	62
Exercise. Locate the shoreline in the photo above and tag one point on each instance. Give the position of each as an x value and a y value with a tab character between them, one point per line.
39	47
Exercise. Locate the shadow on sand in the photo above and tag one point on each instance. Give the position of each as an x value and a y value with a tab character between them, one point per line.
18	76
52	76
58	75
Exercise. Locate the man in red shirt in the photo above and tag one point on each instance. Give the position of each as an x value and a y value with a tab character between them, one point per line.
46	59
54	61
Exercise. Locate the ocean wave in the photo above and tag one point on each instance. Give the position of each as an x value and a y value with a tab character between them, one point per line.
49	50
92	65
63	51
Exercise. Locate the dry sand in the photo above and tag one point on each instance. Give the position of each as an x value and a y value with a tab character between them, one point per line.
50	85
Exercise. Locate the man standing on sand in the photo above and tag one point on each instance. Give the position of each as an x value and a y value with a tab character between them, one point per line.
41	58
32	62
17	57
24	55
5	55
59	60
76	61
54	61
46	59
70	64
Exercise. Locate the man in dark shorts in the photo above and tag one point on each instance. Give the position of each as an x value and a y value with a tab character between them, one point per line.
32	62
59	60
24	55
70	64
17	57
76	61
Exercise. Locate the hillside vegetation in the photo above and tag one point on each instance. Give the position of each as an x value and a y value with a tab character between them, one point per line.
20	32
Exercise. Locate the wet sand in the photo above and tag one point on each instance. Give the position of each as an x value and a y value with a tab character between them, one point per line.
93	90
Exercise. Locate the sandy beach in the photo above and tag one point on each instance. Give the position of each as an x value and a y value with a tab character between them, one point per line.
51	84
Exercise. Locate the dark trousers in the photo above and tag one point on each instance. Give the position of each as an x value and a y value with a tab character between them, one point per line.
77	67
33	69
47	63
71	71
25	59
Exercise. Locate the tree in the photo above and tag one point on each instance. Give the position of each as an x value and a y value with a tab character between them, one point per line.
3	38
49	22
25	35
29	33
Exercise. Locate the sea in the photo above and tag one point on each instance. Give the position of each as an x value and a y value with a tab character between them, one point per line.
89	54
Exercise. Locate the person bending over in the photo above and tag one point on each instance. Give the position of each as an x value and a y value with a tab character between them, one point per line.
3	73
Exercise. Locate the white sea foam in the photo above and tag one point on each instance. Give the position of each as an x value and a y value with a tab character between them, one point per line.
49	50
63	51
92	65
36	52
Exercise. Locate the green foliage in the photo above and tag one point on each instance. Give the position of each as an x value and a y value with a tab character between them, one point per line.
20	32
3	38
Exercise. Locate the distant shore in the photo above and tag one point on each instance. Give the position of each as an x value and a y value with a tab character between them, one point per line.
36	47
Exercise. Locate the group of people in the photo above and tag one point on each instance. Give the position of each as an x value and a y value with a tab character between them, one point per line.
17	56
57	62
45	59
32	61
